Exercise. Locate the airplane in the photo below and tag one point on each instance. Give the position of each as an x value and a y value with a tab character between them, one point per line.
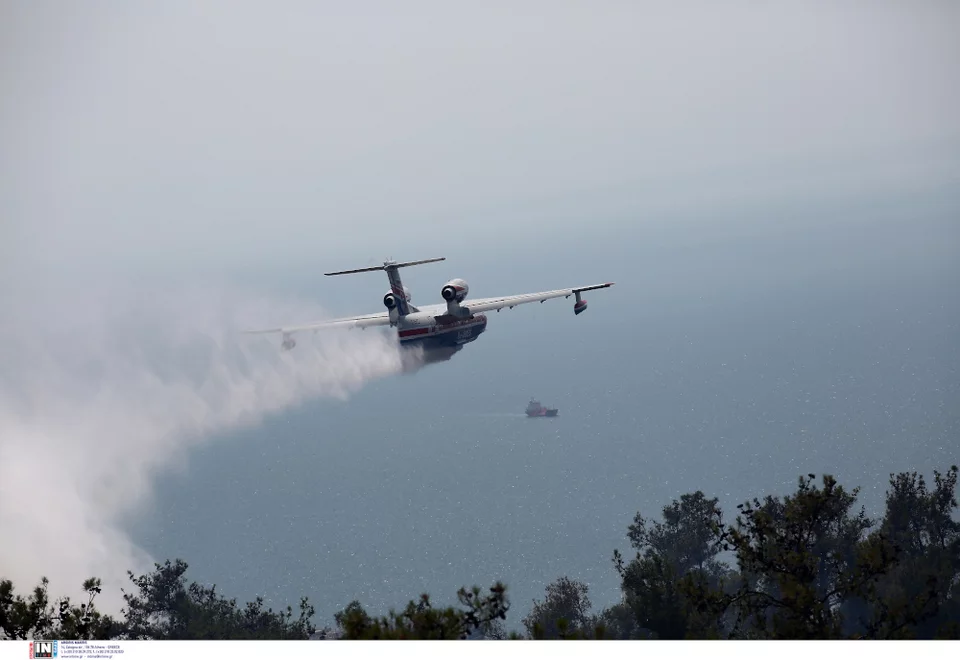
440	330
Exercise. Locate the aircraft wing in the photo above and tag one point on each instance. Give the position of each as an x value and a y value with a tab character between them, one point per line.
474	306
488	304
367	321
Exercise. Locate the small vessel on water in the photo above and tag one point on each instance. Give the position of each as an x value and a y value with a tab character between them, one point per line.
536	409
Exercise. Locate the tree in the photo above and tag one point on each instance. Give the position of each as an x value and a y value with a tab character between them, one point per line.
799	559
36	617
921	594
688	540
688	536
563	614
165	607
809	569
618	622
650	587
422	620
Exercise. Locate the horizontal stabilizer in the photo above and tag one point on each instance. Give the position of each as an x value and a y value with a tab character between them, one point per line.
386	265
358	270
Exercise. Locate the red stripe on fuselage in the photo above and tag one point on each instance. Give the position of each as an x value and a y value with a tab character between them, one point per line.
414	332
440	329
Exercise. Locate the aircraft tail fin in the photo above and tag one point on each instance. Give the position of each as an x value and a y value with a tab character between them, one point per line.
399	297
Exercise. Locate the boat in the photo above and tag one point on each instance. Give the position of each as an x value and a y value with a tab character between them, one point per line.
536	409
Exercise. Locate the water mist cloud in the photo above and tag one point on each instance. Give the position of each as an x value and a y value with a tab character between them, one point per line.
101	390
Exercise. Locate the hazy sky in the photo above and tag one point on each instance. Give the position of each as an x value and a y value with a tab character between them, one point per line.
227	133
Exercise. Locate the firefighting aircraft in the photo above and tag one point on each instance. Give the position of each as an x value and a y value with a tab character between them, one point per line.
441	330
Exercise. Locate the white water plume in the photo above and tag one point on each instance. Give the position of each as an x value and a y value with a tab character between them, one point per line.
99	392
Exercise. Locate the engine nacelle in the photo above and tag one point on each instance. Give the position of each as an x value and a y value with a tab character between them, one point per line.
288	342
455	290
390	299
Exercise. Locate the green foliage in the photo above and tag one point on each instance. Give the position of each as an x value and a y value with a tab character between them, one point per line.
921	595
687	542
799	560
619	622
650	588
165	607
422	620
688	536
36	617
809	565
564	613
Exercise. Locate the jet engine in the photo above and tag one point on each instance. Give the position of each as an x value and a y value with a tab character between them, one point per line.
455	291
288	342
390	299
